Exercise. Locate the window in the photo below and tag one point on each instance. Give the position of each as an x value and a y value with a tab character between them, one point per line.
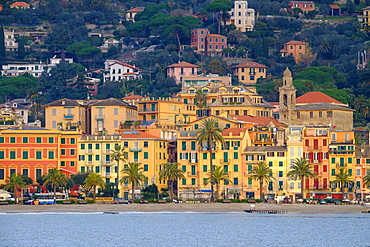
12	139
193	145
329	114
333	160
145	144
1	139
204	156
97	157
236	168
39	155
281	163
1	154
281	174
51	139
320	114
236	181
183	168
349	160
298	115
24	155
183	181
25	140
73	140
271	163
62	152
251	78
311	114
146	155
51	155
97	169
12	155
249	158
125	144
146	167
82	146
2	174
63	141
193	172
236	155
226	168
115	111
71	163
62	163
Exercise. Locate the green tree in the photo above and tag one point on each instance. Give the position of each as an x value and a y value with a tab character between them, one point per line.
55	178
133	174
200	101
220	8
118	154
216	177
216	67
261	172
302	169
94	180
209	135
177	32
343	177
366	180
171	173
13	183
2	45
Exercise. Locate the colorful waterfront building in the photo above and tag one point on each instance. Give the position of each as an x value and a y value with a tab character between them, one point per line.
249	72
362	168
32	151
169	112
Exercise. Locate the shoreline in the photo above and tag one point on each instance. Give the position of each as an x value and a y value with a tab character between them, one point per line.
184	207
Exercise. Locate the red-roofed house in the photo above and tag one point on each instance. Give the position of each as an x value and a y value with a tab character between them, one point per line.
206	43
305	6
335	10
20	5
294	48
179	70
118	71
249	72
260	121
130	14
316	97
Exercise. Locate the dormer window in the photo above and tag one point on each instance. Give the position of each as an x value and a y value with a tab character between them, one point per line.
191	91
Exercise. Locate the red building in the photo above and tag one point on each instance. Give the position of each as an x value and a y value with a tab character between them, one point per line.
32	151
306	6
206	43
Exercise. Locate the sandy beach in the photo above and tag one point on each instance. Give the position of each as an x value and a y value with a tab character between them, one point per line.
185	207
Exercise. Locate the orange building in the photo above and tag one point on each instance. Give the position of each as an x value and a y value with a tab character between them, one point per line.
294	48
305	6
20	5
32	151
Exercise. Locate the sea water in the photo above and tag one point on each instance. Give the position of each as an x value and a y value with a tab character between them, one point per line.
183	229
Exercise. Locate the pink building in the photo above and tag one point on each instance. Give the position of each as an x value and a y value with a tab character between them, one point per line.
180	70
294	48
206	43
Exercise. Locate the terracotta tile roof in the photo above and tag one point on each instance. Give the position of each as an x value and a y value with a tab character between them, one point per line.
295	42
261	121
234	131
134	10
316	97
250	65
183	65
309	2
216	36
20	4
131	97
126	64
334	6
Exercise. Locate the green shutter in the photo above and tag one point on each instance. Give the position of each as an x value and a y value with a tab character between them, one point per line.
12	155
193	170
1	154
184	168
145	155
183	146
146	168
349	160
1	139
236	168
51	155
204	156
38	139
38	155
63	140
193	146
205	168
183	182
236	155
25	155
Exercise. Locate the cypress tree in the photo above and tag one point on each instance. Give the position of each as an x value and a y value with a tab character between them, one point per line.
2	46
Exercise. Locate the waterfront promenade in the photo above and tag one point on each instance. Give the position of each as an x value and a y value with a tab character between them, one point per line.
185	207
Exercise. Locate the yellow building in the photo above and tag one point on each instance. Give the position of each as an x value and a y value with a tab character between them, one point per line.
342	155
249	72
364	19
147	150
195	162
107	115
169	112
65	114
233	100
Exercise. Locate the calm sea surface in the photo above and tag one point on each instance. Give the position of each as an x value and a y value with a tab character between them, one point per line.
183	229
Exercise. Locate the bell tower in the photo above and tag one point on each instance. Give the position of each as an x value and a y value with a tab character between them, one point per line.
287	98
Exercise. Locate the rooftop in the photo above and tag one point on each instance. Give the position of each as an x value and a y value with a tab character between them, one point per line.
134	10
261	121
295	42
183	65
316	97
250	65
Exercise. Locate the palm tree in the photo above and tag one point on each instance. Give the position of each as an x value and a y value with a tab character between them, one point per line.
93	180
118	154
262	173
56	178
171	173
366	180
342	176
133	174
14	182
302	169
210	134
200	101
216	177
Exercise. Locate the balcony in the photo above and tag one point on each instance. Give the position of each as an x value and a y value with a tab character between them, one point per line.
69	116
264	140
148	110
136	149
89	151
99	116
89	163
193	161
107	151
135	160
225	160
107	174
107	162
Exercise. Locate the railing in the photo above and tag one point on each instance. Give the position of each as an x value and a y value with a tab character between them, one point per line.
193	161
89	163
225	161
107	162
89	151
135	160
107	151
107	174
99	116
68	116
146	110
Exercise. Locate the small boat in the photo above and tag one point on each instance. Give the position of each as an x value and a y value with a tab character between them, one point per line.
111	212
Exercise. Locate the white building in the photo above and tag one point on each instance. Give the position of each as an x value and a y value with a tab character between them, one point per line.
108	43
10	41
118	71
242	16
12	70
57	59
